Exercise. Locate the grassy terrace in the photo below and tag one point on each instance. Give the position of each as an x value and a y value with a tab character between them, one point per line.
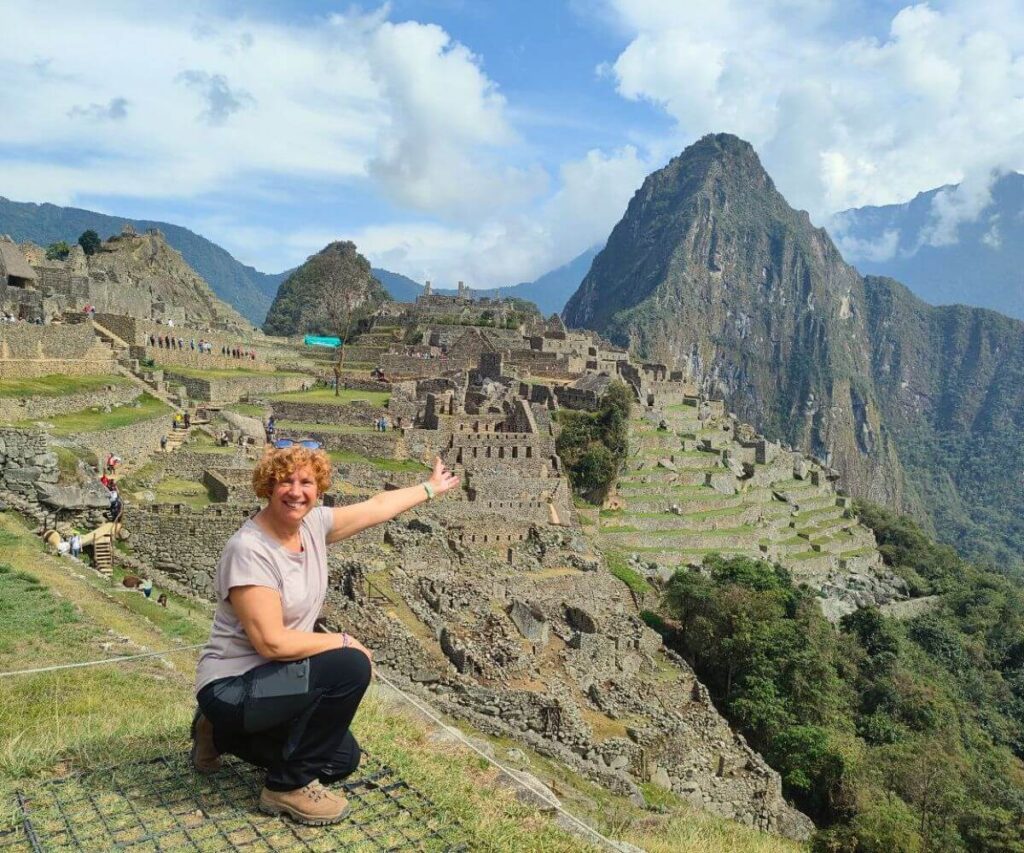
250	409
56	386
326	396
173	490
55	723
223	372
345	457
93	420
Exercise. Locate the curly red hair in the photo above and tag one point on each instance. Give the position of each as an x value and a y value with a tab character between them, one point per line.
279	464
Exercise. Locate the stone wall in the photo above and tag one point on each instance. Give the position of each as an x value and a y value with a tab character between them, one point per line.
29	351
228	485
25	460
34	408
232	389
182	542
27	469
358	412
135	442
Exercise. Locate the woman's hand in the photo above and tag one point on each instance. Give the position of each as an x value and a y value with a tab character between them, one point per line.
442	480
353	643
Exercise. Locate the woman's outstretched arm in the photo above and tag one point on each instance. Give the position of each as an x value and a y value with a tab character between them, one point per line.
349	520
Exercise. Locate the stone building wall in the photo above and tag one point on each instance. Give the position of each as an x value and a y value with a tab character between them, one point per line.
228	485
22	302
29	351
25	460
375	445
182	542
358	412
135	442
232	389
35	408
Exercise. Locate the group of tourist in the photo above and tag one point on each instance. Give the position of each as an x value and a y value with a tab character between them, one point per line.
202	346
114	510
71	546
381	424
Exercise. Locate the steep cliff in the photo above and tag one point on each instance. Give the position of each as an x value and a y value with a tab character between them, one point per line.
712	271
328	294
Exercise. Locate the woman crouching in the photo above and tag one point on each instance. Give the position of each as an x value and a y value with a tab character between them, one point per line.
269	689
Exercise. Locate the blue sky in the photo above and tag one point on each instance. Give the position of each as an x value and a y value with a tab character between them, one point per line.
492	141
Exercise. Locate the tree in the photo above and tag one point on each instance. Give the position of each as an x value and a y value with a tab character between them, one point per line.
58	251
90	242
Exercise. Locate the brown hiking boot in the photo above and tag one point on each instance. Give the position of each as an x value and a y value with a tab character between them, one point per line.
311	804
205	758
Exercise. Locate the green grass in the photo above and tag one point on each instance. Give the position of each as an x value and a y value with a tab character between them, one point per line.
85	719
94	420
57	385
221	372
173	490
89	718
250	409
345	457
326	396
68	459
621	569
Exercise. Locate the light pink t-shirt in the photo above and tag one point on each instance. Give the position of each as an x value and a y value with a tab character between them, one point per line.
253	557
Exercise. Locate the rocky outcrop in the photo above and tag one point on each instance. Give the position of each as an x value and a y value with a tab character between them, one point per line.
135	275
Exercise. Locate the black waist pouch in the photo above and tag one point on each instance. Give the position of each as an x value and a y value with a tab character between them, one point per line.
278	692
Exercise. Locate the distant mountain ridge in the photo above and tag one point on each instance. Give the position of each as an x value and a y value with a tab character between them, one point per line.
246	288
982	266
711	271
549	293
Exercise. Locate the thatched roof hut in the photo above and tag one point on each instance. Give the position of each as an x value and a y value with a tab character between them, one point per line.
14	269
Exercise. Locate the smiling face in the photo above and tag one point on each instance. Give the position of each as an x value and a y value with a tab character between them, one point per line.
294	496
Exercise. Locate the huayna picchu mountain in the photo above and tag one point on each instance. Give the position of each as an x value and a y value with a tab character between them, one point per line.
328	295
711	271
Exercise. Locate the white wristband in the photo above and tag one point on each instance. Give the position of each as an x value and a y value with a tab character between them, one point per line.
429	489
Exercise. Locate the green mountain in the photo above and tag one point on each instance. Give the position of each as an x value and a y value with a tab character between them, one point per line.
328	295
980	266
711	271
247	289
399	287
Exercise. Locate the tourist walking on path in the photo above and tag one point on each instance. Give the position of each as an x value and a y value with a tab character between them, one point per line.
269	689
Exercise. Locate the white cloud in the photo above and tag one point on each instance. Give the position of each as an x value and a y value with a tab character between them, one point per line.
993	237
592	196
221	102
855	249
841	118
952	206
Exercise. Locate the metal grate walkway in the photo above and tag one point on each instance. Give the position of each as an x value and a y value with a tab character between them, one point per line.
162	805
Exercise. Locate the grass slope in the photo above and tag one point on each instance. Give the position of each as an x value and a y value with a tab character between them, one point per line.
57	611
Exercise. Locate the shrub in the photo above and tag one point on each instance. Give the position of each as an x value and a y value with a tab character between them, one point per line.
58	251
90	242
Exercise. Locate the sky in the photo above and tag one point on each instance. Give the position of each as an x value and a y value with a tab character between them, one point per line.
493	141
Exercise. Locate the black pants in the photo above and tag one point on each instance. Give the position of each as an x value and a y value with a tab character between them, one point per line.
301	731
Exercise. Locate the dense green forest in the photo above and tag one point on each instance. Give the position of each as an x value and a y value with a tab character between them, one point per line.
892	736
